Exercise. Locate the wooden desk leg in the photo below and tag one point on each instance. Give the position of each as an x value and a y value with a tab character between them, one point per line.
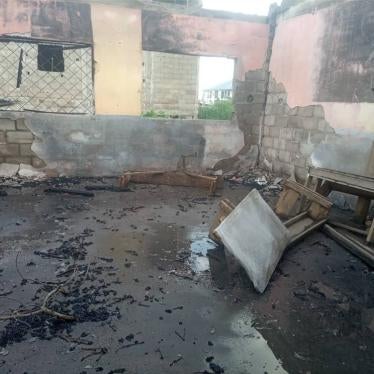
370	237
362	209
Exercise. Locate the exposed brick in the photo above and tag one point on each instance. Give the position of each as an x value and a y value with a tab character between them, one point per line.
306	111
300	135
277	109
319	111
9	149
20	124
257	75
281	121
266	131
284	156
18	160
300	161
293	121
275	131
267	141
317	137
7	124
293	111
261	86
286	133
23	137
2	137
269	120
25	150
301	173
292	146
310	123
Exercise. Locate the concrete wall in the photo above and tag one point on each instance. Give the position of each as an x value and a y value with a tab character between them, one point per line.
247	42
171	84
53	20
322	70
108	145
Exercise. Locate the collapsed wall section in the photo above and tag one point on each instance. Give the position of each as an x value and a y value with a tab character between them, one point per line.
15	143
290	135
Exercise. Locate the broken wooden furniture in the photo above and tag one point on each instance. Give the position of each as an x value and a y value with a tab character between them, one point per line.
331	180
225	207
288	205
358	241
353	242
172	178
315	209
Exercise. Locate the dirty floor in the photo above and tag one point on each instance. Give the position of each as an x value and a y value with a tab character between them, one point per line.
150	293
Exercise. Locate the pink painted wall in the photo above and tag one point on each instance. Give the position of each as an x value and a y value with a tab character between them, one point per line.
296	62
15	17
296	55
245	41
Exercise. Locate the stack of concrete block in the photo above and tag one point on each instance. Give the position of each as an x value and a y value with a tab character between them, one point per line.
15	143
249	102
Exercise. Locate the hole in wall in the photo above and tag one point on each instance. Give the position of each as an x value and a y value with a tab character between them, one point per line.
187	87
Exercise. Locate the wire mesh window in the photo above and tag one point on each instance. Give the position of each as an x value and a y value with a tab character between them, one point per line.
46	77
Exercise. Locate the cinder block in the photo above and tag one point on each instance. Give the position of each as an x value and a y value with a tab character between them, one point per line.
277	109
293	111
18	160
286	133
25	150
2	137
292	146
7	124
285	156
23	137
257	75
306	111
260	87
9	149
317	137
267	141
310	123
293	121
300	161
301	173
281	121
319	111
20	124
266	131
269	120
275	131
300	135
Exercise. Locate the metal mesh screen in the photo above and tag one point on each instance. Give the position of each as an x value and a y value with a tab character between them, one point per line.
46	77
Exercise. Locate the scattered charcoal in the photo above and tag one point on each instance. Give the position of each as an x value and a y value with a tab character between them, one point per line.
107	188
216	368
176	361
69	192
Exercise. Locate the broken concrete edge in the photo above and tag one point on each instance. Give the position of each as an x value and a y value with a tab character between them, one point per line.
21	170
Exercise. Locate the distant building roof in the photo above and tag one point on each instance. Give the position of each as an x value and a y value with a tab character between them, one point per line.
222	86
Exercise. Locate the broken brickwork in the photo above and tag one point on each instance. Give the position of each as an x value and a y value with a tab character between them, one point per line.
15	143
249	100
291	134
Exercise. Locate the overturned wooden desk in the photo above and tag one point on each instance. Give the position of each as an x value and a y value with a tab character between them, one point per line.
363	188
331	180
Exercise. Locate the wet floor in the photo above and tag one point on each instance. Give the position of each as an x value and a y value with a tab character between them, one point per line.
173	300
